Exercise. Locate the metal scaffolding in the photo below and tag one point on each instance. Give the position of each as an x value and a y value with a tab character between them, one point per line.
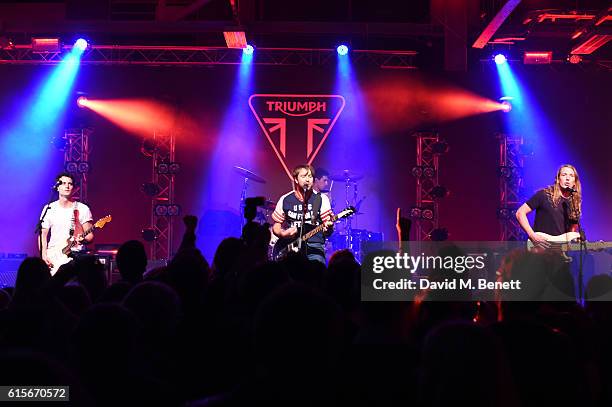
161	220
425	213
510	172
76	159
193	56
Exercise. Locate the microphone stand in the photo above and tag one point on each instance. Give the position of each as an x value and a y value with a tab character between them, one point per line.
38	229
582	251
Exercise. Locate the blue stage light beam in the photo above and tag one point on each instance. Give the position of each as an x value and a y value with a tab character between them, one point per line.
351	146
526	119
27	151
237	144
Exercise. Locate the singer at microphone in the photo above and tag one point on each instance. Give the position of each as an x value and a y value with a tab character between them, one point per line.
300	211
571	190
557	207
61	220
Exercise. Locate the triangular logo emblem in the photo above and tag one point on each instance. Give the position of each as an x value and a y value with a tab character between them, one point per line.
296	126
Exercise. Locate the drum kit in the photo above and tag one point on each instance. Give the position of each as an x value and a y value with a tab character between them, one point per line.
345	236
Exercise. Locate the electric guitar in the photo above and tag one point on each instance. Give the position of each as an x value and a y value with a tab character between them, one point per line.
564	243
283	246
60	257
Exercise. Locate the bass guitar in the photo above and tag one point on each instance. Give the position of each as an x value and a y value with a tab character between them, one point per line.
566	242
283	247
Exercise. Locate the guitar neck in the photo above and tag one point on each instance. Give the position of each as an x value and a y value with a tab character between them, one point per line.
88	231
317	229
589	246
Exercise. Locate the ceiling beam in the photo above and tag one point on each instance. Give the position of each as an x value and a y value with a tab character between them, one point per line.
497	21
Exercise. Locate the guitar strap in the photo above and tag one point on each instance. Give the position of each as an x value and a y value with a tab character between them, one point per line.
77	227
316	209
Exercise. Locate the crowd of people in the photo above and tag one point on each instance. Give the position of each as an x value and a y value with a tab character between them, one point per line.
243	330
239	329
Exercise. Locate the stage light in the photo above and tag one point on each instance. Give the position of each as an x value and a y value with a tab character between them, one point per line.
417	171
72	167
161	210
81	45
163	168
575	59
415	212
149	147
427	214
429	171
235	39
500	59
44	45
506	106
83	167
174	168
174	210
81	101
248	50
506	171
6	43
342	50
537	58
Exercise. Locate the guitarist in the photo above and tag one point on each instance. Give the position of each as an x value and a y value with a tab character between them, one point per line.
303	203
558	207
65	219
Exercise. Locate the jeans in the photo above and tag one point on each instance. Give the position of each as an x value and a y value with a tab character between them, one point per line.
316	251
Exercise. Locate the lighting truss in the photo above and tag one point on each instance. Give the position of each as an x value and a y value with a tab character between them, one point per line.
426	158
162	224
77	151
510	195
187	55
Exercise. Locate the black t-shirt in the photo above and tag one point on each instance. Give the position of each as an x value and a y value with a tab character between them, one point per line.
554	220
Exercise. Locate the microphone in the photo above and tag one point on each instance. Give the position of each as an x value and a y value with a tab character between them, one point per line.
570	190
56	185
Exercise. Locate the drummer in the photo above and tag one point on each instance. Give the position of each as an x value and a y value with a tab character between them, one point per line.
322	184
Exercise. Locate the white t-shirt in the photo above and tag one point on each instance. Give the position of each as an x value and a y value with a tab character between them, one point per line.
60	221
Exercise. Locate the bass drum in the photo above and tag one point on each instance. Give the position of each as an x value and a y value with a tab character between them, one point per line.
340	241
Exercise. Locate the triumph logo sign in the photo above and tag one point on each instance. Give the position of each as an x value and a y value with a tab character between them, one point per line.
296	126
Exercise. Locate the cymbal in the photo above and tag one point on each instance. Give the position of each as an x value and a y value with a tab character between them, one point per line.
249	174
346	175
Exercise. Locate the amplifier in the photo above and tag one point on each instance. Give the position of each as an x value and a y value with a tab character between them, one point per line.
9	264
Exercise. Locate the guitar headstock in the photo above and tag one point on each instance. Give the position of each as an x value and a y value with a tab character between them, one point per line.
348	211
103	221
